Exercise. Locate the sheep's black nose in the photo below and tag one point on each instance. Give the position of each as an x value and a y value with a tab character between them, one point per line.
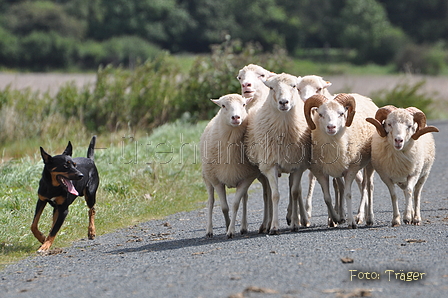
284	102
236	117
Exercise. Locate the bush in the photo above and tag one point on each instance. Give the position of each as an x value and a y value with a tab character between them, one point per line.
424	59
42	51
405	95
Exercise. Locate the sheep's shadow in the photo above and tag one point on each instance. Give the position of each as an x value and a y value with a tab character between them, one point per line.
166	245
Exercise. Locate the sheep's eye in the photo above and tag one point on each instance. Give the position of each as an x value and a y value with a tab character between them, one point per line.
320	115
262	75
223	106
244	105
318	90
293	86
271	88
409	126
388	124
341	114
239	78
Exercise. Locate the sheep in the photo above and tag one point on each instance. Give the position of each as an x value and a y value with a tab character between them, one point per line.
341	146
308	86
278	141
251	78
224	162
311	85
403	154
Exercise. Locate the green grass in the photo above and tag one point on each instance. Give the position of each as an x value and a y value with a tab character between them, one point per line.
142	178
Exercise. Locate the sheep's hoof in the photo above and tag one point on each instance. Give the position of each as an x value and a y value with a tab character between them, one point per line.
341	221
274	232
396	224
288	221
369	223
406	221
294	229
352	226
332	224
305	223
359	219
209	235
229	235
243	231
416	222
262	230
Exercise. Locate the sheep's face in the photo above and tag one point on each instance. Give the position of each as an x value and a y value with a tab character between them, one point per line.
331	117
251	78
233	108
283	90
311	85
399	126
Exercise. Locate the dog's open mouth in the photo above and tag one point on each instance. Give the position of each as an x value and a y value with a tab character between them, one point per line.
68	184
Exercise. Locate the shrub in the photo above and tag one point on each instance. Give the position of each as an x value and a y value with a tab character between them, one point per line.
424	59
405	95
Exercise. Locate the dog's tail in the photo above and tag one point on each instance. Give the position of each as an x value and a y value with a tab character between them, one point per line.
91	150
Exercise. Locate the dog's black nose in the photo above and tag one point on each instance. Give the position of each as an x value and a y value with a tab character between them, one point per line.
80	175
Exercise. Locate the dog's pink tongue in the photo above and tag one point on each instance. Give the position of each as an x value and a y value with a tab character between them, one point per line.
70	187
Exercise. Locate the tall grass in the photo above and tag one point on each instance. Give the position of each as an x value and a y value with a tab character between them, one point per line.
141	178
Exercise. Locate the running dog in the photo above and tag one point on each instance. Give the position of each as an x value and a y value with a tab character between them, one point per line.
64	179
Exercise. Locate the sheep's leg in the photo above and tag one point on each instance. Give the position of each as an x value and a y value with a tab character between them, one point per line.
349	177
339	206
244	226
210	203
369	182
296	193
363	204
417	195
333	217
396	218
408	191
309	197
221	191
241	193
272	176
291	206
267	214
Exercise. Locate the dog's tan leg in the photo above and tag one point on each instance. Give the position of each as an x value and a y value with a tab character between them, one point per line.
35	224
91	231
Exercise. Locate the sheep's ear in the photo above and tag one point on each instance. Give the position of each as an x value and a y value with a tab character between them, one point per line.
249	99
216	101
327	84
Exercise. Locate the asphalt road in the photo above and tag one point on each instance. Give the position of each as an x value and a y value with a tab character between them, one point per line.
172	258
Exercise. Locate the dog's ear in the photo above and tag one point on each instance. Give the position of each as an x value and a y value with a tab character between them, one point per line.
45	156
68	151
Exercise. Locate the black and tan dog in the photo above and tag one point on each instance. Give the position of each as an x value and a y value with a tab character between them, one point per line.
64	179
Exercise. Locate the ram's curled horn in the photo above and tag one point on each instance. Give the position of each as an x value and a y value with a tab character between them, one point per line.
420	119
348	102
314	101
380	116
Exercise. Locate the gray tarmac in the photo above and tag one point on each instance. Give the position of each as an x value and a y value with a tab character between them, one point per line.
172	257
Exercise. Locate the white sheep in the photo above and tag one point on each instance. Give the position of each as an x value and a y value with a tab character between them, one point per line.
308	86
311	85
403	154
278	141
341	145
251	78
224	162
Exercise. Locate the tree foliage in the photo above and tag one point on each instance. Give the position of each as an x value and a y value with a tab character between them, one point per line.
376	31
